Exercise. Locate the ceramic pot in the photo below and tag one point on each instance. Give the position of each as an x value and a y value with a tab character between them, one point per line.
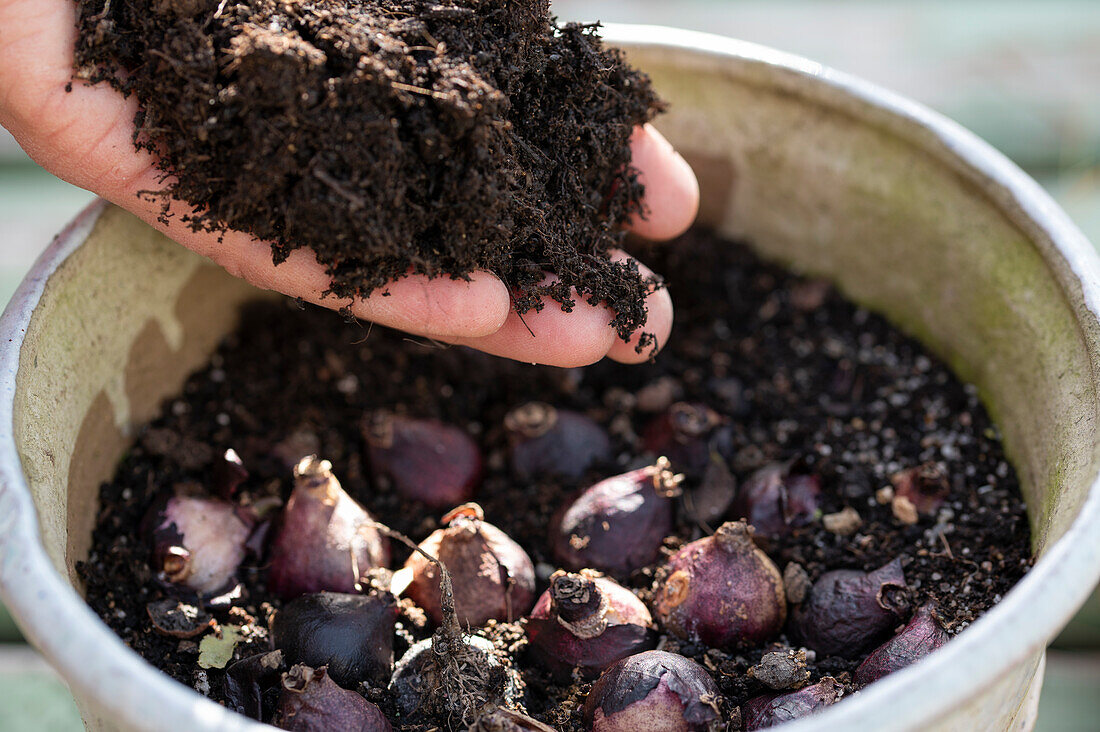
907	213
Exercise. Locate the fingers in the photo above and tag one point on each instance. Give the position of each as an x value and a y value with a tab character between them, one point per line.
578	338
671	190
659	322
439	307
551	336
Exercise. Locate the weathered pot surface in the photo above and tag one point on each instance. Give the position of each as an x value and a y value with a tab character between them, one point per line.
909	214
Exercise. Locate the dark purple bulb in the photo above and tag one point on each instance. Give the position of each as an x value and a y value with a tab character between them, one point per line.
920	637
618	524
427	460
653	691
587	621
549	442
848	611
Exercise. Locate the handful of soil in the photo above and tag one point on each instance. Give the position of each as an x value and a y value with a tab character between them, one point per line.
392	137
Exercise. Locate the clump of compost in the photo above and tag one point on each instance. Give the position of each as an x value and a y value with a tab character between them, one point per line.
435	138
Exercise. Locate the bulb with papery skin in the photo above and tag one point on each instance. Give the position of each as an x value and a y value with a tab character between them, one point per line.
198	543
848	611
351	635
618	524
493	577
774	500
722	591
587	621
921	636
427	460
311	702
772	710
325	541
653	691
549	442
682	435
925	486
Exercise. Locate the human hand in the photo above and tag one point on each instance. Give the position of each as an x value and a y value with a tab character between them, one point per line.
85	136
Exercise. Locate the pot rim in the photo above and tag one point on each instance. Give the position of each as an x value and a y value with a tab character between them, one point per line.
99	666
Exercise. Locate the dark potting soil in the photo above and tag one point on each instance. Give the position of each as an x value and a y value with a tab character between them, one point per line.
435	137
798	372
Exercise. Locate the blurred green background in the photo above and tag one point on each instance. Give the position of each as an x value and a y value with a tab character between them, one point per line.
1024	75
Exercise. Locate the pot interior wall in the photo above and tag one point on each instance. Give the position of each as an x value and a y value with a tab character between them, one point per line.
880	210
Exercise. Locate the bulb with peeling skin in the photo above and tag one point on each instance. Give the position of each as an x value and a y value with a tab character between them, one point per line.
326	541
848	611
198	543
654	691
427	460
587	621
775	500
493	577
772	710
618	524
311	701
916	640
722	591
546	441
926	487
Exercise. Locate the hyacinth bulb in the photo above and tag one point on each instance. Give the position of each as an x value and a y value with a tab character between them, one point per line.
461	680
246	680
653	691
427	460
774	500
549	442
227	474
198	543
494	578
682	435
921	636
587	621
618	524
311	702
325	541
926	487
848	611
722	591
772	710
351	635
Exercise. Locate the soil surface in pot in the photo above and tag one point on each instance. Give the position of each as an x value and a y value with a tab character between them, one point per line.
494	139
792	371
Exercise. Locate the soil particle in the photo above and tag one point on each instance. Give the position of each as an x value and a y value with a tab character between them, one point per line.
833	386
432	137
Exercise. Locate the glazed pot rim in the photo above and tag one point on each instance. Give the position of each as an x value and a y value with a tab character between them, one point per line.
97	664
